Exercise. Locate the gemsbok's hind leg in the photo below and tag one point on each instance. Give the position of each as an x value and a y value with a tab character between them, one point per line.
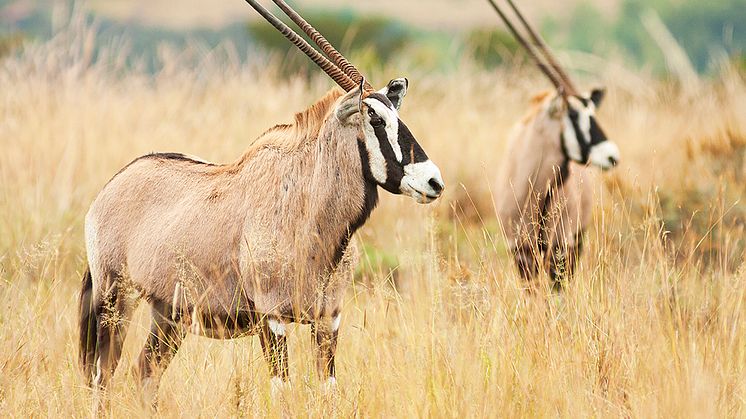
275	349
166	335
324	333
112	313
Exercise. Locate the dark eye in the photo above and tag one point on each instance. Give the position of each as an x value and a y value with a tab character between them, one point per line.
375	120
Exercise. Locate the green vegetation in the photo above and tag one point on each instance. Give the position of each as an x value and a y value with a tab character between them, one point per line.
8	43
491	47
372	39
375	263
708	31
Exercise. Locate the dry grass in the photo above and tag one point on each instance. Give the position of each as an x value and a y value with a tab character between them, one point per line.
653	325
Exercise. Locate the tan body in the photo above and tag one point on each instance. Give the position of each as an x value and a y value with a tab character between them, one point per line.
532	163
263	231
228	250
242	248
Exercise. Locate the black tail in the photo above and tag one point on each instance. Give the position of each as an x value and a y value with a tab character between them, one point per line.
88	325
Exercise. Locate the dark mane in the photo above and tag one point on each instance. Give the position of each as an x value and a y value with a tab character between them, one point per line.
174	156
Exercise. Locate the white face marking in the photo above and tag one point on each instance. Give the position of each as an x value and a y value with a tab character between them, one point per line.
573	143
604	155
376	161
375	156
584	121
276	327
336	321
391	117
416	181
572	146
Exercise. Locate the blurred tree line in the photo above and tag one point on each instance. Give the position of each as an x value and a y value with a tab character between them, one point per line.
708	31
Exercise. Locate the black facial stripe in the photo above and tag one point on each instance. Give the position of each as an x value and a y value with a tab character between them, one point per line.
597	134
410	148
394	170
381	98
564	147
585	148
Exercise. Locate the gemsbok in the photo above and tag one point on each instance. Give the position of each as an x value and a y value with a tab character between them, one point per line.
543	196
238	249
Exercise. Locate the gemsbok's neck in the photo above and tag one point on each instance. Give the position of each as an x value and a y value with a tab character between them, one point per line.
533	161
316	191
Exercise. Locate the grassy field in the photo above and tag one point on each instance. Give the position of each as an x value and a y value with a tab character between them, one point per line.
437	323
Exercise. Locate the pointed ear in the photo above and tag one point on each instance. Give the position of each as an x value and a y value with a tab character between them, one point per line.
597	96
557	107
395	91
349	106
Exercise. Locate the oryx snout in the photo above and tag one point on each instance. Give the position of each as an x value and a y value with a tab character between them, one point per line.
422	181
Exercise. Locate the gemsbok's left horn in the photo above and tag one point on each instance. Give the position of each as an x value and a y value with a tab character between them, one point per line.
337	74
326	46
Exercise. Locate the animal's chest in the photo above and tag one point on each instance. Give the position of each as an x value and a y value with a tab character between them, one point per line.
290	269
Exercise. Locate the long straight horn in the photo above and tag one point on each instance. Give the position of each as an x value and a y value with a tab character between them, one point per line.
553	77
539	41
325	45
329	68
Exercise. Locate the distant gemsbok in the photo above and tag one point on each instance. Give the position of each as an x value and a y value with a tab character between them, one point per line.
228	250
543	194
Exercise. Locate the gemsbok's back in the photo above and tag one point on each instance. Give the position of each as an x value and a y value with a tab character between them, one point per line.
224	250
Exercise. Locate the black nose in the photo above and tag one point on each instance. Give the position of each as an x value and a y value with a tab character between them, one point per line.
435	184
613	161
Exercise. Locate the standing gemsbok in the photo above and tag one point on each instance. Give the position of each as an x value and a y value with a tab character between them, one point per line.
543	195
228	250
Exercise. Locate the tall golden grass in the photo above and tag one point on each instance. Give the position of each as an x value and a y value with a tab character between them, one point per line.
653	324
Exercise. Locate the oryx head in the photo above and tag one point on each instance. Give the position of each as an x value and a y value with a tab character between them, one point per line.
582	139
392	157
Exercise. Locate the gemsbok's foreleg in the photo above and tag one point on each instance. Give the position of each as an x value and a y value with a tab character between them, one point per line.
275	349
324	333
527	258
166	335
564	260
